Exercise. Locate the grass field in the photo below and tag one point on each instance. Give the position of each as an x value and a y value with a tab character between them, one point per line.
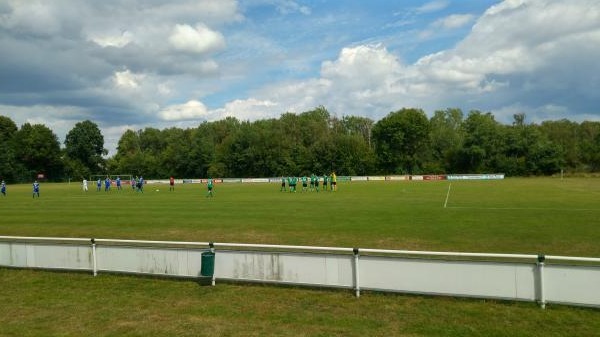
537	215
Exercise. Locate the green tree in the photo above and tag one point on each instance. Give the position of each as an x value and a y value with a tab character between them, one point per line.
9	167
447	137
129	154
517	140
527	151
8	128
594	154
544	158
352	155
315	150
202	151
38	150
401	141
290	143
84	147
356	125
564	134
141	153
152	144
175	156
483	143
224	133
588	134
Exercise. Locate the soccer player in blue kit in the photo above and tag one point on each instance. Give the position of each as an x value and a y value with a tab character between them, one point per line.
36	189
140	184
3	188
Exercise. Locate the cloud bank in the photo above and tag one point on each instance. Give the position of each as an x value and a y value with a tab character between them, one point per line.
137	63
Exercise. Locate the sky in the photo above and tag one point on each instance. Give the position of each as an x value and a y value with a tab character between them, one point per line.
132	64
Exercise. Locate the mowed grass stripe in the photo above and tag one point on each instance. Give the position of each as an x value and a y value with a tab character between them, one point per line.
538	215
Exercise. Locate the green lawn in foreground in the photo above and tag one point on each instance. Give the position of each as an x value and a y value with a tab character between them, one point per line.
552	216
36	303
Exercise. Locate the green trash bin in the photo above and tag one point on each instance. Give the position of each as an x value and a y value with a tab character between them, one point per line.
207	266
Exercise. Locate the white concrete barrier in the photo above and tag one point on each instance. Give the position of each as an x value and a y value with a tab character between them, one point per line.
545	279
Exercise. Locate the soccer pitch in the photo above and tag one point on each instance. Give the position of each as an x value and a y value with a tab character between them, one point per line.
529	216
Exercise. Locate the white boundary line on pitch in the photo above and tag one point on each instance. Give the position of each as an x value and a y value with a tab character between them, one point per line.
516	208
447	196
526	208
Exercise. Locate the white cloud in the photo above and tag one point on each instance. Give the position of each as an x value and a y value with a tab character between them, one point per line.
289	6
116	40
127	80
141	63
445	24
497	56
362	78
200	39
454	21
60	119
190	110
32	17
247	109
495	65
537	114
433	6
365	66
483	71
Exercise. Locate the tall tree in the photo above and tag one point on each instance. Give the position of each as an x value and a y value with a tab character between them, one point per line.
483	142
447	138
129	154
564	134
587	143
402	140
202	150
8	165
175	157
357	125
314	152
8	128
38	149
352	155
594	156
517	138
84	145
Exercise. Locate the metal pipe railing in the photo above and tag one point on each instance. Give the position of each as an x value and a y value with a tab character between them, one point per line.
306	248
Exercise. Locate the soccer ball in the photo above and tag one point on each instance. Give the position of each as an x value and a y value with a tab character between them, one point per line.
157	190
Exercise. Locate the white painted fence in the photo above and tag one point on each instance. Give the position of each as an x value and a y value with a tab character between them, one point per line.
549	279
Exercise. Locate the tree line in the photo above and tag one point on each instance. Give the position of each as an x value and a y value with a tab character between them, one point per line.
404	142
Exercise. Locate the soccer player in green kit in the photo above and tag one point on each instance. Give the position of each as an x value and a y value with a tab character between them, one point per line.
293	182
325	177
209	186
304	183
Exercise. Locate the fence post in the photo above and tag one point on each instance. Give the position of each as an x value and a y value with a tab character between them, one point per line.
211	245
540	264
356	272
94	256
